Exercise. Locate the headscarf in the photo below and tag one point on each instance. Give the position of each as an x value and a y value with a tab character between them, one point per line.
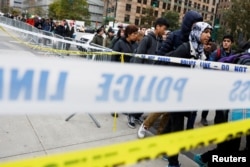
195	36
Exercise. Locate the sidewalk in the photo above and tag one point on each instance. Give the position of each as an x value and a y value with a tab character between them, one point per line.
28	136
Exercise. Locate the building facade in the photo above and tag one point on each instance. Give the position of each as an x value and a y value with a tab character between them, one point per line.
95	8
131	11
222	6
4	4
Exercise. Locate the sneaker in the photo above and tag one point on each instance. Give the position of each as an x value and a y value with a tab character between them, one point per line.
197	159
139	121
164	157
204	122
113	115
141	132
131	122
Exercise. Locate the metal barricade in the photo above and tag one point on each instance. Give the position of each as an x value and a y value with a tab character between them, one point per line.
43	39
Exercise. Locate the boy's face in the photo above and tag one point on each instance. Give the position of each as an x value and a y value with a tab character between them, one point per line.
226	43
207	47
161	29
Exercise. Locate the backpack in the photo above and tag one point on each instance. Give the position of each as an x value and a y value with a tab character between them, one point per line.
240	58
218	54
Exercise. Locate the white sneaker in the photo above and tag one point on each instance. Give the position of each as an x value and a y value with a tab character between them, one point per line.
142	131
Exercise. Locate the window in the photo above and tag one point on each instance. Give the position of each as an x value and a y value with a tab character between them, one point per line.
199	6
145	2
138	9
143	10
203	7
185	10
212	10
137	21
214	2
128	7
179	9
211	18
206	8
138	1
186	2
195	5
175	8
156	13
205	16
169	7
126	18
190	3
164	5
155	3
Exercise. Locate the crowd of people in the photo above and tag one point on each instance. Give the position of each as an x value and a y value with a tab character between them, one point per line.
191	41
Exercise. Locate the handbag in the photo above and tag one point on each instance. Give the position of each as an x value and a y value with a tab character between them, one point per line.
239	114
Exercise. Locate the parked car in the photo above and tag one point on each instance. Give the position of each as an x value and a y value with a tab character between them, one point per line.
80	28
90	30
86	39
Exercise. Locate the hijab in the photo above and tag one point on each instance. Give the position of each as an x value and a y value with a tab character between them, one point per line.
195	36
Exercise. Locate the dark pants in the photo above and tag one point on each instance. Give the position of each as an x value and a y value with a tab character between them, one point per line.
221	116
191	119
204	114
174	124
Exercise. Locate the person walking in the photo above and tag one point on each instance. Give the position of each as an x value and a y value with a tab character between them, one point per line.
193	49
149	44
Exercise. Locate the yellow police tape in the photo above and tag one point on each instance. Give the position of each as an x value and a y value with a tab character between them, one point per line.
52	50
140	150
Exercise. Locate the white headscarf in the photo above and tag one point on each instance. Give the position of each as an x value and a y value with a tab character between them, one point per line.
195	36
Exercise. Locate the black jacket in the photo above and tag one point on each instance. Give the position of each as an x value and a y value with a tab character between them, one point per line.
122	45
184	51
176	38
148	45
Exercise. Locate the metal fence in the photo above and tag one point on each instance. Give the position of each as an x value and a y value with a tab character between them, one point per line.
51	43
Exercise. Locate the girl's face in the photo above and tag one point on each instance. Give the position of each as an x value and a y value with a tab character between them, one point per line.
205	36
133	36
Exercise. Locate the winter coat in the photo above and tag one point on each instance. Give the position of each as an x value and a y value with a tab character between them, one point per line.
216	55
98	39
148	45
185	51
176	38
122	45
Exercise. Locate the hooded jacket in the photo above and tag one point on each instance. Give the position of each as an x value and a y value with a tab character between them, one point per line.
148	45
176	38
